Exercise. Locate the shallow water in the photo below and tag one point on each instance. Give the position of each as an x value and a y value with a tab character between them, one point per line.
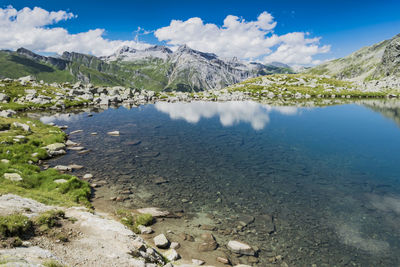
329	176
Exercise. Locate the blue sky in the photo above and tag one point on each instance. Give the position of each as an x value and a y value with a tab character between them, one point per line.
344	25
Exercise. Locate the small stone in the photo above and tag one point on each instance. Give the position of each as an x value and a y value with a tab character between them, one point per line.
145	229
84	152
76	148
88	176
208	244
75	132
223	260
184	200
240	248
160	180
5	161
60	181
62	168
75	166
161	241
113	133
175	245
15	177
186	237
198	262
171	255
208	227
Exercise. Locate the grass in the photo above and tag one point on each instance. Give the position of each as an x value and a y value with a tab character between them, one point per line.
288	85
16	90
133	221
24	153
49	219
52	263
15	225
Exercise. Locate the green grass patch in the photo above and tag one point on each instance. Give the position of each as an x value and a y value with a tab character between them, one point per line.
37	184
133	221
15	225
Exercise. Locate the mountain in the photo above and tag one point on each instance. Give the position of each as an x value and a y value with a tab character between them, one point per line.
154	68
376	62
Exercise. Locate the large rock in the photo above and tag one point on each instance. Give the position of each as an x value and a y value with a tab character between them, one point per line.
240	248
161	241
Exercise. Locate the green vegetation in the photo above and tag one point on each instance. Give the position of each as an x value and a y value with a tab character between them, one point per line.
290	86
52	263
15	225
49	219
22	149
132	222
15	90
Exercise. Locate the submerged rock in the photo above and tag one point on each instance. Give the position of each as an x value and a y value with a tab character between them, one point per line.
113	133
155	212
240	248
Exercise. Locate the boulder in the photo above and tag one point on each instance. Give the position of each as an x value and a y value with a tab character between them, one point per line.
161	241
240	248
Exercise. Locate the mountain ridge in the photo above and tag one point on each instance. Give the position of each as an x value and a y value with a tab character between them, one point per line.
371	63
156	68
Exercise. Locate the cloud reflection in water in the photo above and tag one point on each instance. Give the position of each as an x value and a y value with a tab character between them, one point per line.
230	113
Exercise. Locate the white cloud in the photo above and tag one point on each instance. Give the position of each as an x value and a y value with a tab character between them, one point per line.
29	28
35	29
243	39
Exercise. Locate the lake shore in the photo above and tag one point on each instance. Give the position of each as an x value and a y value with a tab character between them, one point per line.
33	142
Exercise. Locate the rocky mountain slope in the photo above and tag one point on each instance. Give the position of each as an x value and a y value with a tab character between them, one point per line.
155	68
377	62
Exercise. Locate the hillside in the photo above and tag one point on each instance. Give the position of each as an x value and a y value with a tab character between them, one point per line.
376	62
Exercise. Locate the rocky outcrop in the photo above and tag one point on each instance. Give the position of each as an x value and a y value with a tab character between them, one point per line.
100	242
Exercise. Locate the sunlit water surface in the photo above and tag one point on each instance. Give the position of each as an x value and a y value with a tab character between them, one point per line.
329	176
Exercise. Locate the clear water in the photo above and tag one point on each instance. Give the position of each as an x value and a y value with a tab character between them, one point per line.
329	176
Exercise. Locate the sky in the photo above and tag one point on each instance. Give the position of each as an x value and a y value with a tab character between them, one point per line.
291	32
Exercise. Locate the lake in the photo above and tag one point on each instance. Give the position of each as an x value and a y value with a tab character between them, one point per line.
322	183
